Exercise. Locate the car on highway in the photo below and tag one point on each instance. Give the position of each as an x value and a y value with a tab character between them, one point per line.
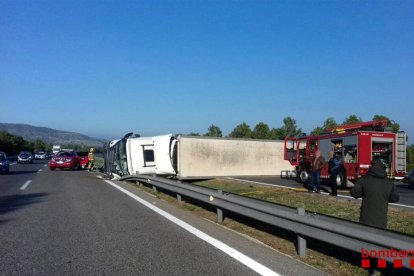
4	163
25	157
41	155
64	160
83	158
409	178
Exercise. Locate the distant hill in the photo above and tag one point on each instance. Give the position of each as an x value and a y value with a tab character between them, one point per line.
49	135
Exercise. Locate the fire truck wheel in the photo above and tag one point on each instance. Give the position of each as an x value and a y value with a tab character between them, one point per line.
304	175
341	178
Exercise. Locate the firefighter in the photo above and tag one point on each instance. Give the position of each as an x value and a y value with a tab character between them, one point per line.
376	191
91	157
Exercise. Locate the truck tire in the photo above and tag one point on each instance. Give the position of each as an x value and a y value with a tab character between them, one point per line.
340	179
304	176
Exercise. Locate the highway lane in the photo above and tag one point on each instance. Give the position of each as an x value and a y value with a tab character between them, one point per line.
19	173
70	222
405	191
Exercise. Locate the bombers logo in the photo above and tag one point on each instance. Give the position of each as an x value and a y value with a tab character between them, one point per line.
396	255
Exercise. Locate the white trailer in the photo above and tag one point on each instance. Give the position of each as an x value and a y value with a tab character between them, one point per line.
203	157
56	149
194	157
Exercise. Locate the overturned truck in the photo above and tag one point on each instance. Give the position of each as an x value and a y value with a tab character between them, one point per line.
194	157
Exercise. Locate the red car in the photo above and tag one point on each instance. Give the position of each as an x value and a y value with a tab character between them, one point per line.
83	158
64	160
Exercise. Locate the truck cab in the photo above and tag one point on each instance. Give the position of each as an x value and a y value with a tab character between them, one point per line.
56	149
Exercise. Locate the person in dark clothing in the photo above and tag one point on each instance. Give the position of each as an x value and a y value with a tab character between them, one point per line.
376	191
333	165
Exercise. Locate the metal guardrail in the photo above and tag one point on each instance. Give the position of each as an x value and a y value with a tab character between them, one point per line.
338	232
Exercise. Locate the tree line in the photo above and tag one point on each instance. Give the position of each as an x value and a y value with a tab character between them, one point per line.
13	145
288	129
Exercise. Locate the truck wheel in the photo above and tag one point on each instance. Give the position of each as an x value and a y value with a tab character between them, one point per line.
304	176
340	179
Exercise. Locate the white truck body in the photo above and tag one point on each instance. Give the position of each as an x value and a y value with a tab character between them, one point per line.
164	154
203	157
189	157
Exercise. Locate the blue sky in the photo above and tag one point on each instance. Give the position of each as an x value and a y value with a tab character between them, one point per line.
105	68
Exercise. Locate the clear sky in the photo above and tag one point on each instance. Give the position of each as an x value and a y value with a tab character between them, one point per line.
105	68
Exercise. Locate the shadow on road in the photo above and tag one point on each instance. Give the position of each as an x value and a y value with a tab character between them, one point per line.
21	172
405	186
14	202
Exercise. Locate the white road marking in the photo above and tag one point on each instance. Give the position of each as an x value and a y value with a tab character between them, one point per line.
39	170
285	187
252	264
11	164
25	185
45	165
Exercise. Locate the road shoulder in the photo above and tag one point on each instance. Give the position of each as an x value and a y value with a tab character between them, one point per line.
279	262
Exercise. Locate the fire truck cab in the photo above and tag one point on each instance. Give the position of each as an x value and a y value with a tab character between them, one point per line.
356	146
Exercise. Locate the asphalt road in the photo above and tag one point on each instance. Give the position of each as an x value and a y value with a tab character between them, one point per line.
406	192
73	223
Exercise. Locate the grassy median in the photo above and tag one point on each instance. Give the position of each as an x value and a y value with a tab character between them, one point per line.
398	219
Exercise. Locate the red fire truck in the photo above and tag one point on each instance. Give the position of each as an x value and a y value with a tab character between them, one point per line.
356	145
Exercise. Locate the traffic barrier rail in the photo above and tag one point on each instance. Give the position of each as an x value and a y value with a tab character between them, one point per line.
334	231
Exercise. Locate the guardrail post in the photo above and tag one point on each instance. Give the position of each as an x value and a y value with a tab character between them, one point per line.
301	242
154	188
178	195
220	216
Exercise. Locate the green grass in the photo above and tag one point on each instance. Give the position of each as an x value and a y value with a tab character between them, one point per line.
99	162
398	219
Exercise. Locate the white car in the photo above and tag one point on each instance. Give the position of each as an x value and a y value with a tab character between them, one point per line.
40	155
25	157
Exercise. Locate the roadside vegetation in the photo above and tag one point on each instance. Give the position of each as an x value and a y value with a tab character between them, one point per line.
289	128
399	220
13	145
410	157
99	162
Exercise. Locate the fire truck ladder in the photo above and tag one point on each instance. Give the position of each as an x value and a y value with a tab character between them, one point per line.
378	125
401	152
